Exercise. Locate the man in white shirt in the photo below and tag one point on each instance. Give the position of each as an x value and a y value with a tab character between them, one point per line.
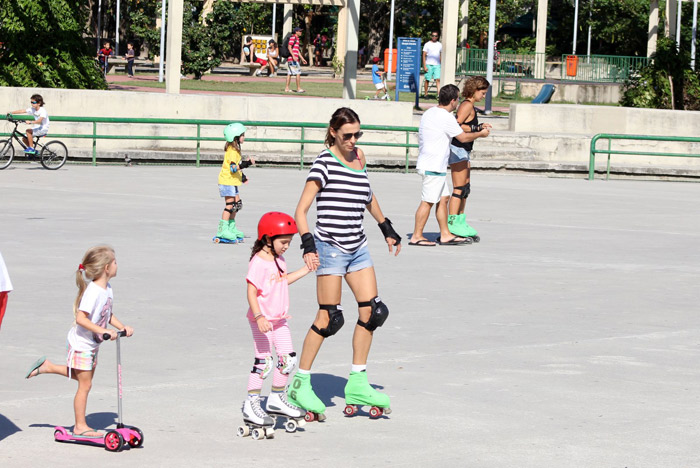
432	57
437	128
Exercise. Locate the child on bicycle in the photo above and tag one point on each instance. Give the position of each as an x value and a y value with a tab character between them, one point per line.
230	178
41	122
93	313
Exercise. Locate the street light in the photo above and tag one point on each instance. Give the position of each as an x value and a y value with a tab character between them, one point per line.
162	42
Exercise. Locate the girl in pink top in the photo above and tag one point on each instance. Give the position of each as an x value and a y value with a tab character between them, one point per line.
268	297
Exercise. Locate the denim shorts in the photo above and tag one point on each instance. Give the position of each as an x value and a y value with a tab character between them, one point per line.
458	154
338	263
228	190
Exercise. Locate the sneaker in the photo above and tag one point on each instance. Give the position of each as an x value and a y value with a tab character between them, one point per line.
29	150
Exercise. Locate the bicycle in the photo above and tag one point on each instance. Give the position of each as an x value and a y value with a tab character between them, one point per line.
53	155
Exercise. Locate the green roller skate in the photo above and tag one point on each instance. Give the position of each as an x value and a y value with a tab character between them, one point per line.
358	392
471	232
301	394
458	228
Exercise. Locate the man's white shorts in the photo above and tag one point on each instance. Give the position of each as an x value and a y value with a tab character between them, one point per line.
379	85
434	186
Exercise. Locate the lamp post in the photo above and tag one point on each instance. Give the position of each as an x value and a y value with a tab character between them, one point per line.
162	42
575	26
695	35
489	61
116	34
391	42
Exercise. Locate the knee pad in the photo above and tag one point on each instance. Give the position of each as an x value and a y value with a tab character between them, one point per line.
287	362
231	205
267	362
462	191
377	317
237	206
335	320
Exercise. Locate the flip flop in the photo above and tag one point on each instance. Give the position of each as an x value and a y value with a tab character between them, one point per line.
301	91
83	436
35	367
423	243
453	241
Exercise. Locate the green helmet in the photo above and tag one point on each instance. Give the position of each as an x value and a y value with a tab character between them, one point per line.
233	130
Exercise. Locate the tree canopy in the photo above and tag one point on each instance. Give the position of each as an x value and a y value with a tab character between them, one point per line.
42	45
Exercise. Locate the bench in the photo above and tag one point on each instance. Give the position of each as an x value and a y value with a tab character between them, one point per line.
252	67
114	62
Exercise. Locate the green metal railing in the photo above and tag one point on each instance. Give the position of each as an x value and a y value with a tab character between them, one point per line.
609	151
508	64
198	138
601	68
591	68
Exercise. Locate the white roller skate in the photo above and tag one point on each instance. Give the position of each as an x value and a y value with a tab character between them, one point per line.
256	421
278	405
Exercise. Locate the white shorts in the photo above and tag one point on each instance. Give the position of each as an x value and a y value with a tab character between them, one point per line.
37	131
434	186
379	85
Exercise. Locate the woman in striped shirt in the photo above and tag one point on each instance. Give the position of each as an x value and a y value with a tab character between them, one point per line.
336	249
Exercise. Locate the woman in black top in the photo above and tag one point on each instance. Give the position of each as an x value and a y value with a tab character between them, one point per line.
474	91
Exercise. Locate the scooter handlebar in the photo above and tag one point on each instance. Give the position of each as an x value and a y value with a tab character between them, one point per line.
107	336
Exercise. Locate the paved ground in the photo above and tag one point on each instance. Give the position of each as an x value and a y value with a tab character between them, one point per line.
569	337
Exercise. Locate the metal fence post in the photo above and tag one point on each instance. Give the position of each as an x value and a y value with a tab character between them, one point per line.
199	128
301	162
407	149
94	143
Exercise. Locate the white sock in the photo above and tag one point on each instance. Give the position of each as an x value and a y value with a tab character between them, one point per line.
302	371
359	367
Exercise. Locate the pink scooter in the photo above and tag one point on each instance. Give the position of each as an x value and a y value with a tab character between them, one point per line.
115	439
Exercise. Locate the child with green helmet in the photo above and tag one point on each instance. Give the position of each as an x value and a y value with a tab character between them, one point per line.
231	178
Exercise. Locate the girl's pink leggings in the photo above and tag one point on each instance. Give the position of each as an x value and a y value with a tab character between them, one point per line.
281	339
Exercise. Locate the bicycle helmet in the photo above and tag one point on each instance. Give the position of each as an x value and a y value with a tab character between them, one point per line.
275	223
233	130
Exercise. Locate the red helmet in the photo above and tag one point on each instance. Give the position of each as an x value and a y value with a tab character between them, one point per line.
275	223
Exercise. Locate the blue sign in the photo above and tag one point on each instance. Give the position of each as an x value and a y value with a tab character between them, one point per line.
408	66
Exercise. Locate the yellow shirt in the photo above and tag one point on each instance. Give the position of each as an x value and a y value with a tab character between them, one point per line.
226	177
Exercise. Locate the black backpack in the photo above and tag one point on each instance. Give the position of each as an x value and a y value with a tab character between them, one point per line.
284	46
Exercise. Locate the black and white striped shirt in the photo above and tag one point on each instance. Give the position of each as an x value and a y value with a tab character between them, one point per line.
341	202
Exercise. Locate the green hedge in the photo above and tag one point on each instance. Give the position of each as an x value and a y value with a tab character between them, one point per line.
42	45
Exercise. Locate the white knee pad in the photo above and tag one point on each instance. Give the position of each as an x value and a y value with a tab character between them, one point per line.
287	363
267	366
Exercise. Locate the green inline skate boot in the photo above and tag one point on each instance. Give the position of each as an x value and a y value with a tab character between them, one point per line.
301	394
235	233
470	231
358	392
223	235
458	228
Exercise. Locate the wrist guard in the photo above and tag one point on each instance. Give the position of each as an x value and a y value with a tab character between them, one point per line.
476	128
308	243
388	231
244	164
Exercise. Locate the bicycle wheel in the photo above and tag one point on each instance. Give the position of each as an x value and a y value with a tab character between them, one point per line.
54	155
7	152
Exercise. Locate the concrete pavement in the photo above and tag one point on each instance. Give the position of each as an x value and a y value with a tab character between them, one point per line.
567	337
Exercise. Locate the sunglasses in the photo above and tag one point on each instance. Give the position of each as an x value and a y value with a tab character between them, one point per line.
34	102
434	35
347	136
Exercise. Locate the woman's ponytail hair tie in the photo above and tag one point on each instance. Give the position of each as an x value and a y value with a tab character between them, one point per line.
81	267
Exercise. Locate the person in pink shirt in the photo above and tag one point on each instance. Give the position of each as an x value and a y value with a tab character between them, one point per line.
268	297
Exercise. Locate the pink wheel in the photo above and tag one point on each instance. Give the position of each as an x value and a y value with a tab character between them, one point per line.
309	416
375	412
350	410
114	441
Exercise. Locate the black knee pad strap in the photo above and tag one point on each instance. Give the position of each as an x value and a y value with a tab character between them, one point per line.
377	317
461	191
335	320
